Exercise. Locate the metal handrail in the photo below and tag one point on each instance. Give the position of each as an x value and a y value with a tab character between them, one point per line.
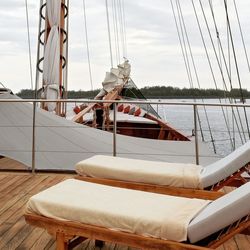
116	102
127	102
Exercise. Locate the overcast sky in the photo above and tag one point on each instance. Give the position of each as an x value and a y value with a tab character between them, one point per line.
152	43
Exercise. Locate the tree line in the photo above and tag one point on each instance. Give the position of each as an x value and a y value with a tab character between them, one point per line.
156	92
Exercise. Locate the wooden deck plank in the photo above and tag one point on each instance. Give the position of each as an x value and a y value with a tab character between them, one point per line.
6	163
19	237
34	236
44	241
10	234
16	234
242	241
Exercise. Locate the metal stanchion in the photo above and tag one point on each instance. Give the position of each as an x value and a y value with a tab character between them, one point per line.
33	138
114	130
196	135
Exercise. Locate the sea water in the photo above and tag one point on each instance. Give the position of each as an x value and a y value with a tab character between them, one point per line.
223	128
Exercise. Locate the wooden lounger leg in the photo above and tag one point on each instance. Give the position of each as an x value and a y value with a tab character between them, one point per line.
99	243
61	242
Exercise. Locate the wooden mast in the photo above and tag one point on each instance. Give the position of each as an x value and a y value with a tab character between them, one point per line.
60	107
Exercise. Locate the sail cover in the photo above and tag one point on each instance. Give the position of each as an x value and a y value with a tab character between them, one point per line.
60	143
52	54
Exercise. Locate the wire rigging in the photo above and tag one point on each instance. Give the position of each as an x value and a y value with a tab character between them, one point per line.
180	40
124	29
241	34
225	64
109	33
216	55
114	32
236	65
87	43
29	42
207	54
184	44
117	31
220	64
120	15
197	78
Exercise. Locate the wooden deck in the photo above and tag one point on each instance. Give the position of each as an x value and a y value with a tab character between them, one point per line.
15	190
9	164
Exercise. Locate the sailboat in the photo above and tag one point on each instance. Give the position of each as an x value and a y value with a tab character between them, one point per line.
132	120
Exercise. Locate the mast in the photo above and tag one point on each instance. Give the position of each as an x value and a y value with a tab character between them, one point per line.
51	80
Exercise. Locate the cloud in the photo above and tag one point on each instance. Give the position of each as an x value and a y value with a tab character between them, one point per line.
152	42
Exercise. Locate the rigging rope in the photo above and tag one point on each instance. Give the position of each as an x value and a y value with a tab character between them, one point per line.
121	5
230	77
197	78
180	40
124	29
185	62
220	64
109	34
117	32
211	39
120	22
87	43
29	43
114	31
236	65
225	64
207	55
184	45
241	34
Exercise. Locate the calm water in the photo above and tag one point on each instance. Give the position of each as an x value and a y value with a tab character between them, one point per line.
225	131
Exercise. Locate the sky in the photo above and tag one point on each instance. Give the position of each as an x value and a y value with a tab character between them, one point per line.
153	47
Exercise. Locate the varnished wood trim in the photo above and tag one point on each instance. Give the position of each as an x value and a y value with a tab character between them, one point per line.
107	235
183	192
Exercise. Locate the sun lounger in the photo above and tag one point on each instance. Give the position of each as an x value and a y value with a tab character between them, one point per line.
74	209
187	180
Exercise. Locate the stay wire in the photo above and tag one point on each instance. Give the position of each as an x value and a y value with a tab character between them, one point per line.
120	18
109	33
230	76
87	43
124	28
236	65
241	34
206	51
225	63
184	44
220	64
185	56
179	37
29	42
197	77
117	31
214	49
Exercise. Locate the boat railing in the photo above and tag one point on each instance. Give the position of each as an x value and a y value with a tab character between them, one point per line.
194	106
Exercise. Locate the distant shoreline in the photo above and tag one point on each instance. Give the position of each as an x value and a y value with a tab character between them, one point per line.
156	92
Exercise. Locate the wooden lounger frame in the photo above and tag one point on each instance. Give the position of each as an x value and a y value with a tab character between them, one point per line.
70	234
211	193
234	180
160	189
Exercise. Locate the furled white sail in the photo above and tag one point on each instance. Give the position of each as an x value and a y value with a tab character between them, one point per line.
116	76
52	54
